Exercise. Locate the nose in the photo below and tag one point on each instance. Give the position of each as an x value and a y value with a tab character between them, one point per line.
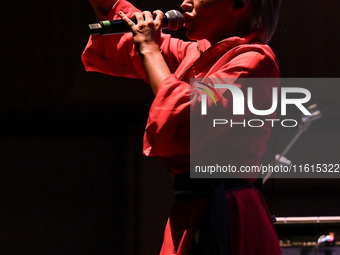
187	5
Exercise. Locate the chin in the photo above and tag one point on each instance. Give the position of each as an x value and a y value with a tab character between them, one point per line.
191	35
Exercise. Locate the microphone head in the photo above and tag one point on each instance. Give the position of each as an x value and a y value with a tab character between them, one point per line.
174	19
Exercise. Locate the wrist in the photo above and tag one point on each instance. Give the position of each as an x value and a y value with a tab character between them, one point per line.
149	49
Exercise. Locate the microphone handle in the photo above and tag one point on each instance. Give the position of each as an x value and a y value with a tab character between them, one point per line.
107	27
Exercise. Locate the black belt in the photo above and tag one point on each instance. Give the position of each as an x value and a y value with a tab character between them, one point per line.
187	189
213	230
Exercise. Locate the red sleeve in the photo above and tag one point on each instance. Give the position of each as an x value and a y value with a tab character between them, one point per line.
168	129
116	55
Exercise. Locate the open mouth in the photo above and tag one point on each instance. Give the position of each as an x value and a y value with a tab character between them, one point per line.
187	20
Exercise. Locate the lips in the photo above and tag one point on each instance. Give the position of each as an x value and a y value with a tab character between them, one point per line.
188	19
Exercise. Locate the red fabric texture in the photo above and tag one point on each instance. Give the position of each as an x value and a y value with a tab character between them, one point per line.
251	229
167	133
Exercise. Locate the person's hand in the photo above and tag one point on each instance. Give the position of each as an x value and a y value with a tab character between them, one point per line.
147	31
146	36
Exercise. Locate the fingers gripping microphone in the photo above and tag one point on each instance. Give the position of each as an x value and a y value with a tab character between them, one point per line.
172	20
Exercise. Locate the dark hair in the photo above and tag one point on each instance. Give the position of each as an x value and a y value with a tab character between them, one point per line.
266	15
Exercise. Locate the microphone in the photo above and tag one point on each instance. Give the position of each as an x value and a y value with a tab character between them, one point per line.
172	20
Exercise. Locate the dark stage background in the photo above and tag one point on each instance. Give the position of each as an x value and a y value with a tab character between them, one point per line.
73	180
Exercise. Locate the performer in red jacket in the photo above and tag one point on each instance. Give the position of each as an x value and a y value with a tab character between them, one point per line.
229	42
